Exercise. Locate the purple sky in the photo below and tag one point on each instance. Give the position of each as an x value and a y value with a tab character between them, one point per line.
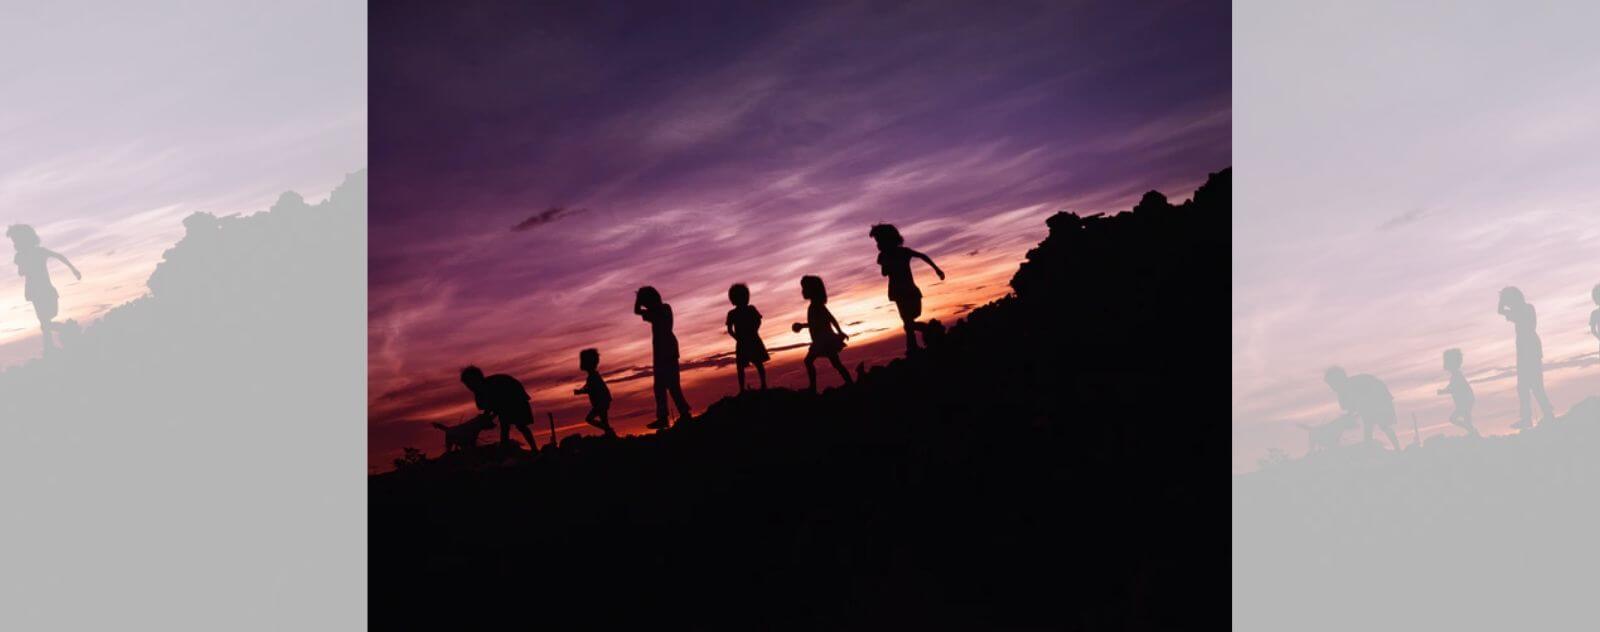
533	165
1392	194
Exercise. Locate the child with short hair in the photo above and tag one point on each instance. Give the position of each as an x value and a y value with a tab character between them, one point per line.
595	387
825	343
744	324
1460	391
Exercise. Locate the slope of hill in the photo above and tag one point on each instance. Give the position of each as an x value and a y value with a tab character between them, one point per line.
1032	469
242	353
1490	533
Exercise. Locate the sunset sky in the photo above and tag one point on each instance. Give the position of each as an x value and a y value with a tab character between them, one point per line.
1378	250
533	166
143	116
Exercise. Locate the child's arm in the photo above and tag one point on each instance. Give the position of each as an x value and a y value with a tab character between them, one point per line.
836	326
930	262
799	326
52	253
729	324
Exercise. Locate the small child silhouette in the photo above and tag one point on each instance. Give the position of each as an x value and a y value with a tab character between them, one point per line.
1594	316
825	343
648	305
894	260
1460	391
31	266
744	324
595	387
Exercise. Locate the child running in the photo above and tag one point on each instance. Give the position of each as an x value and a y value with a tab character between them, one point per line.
1460	391
825	343
32	260
595	387
894	260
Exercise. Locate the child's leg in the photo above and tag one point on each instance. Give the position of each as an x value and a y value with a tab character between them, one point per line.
680	400
811	371
761	372
741	376
528	436
1466	420
1545	409
605	421
843	372
1524	405
1394	442
661	401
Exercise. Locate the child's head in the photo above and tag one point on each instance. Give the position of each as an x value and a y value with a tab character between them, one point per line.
589	359
1335	377
648	296
811	289
739	295
1452	359
22	235
472	376
1511	296
886	235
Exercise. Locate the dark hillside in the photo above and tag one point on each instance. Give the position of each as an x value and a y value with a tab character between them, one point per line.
1034	469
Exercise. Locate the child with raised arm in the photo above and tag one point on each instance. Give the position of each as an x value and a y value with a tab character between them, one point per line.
595	387
744	325
894	260
32	260
648	305
1530	357
825	343
1460	391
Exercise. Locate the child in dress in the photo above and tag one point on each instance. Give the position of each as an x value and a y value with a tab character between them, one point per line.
1460	391
595	387
32	260
825	343
744	324
1594	316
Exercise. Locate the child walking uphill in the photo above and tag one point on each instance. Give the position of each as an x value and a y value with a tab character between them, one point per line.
1460	391
595	387
32	260
825	343
744	324
648	305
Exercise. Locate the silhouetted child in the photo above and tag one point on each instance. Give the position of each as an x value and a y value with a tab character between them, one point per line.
504	397
1367	397
1530	357
648	305
595	387
1460	391
825	343
744	324
1594	316
894	260
32	260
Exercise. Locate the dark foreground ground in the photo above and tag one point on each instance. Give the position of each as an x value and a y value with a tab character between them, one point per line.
1035	469
1491	533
